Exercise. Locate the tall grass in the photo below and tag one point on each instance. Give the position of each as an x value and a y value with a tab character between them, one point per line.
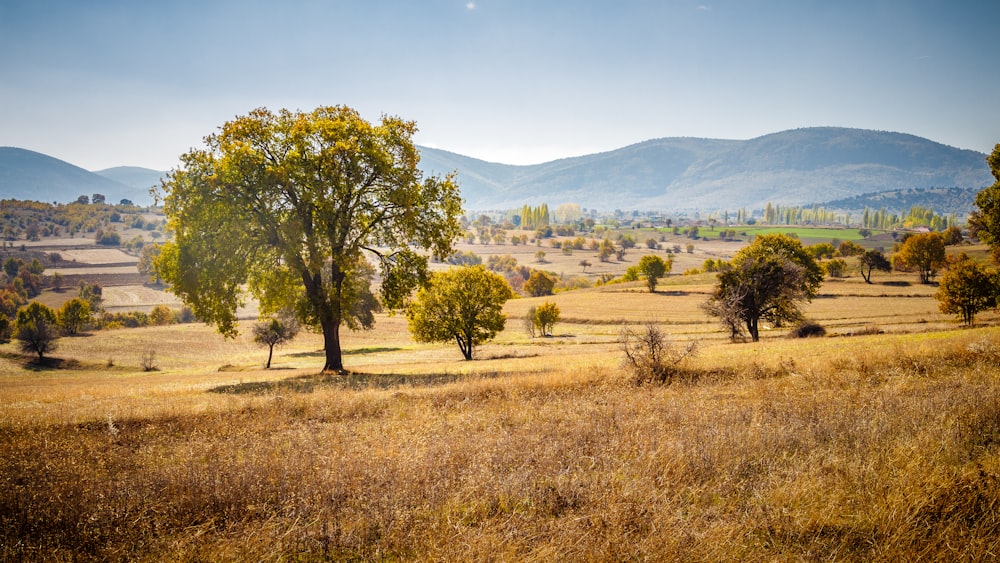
867	448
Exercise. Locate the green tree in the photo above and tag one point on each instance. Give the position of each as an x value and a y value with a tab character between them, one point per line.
36	329
873	260
835	268
462	305
546	316
605	250
651	267
967	288
765	280
924	252
291	206
539	283
74	315
147	261
274	332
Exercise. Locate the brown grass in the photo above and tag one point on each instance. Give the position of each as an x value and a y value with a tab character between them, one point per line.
881	447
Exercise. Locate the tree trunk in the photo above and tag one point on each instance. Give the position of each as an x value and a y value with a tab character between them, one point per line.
465	345
752	328
270	352
331	340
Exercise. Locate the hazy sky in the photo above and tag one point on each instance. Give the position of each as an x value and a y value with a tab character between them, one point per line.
103	83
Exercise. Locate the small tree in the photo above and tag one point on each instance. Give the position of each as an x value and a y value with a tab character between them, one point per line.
652	268
605	250
275	332
835	268
462	305
529	321
74	315
36	329
925	252
967	288
539	283
873	260
147	261
545	318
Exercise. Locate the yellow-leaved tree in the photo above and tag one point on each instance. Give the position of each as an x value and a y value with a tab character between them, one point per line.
294	207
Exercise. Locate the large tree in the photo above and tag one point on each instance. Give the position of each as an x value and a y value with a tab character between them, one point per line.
290	207
462	305
985	221
765	280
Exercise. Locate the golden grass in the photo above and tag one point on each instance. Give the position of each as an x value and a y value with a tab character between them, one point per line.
883	447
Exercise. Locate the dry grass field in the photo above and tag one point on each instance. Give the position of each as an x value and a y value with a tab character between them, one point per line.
874	447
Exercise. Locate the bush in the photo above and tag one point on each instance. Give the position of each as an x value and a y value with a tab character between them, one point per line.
807	330
650	357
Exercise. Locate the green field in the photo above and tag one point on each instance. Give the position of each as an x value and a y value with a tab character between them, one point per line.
808	235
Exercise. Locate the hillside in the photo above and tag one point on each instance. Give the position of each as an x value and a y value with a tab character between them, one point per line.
29	175
795	167
135	177
944	201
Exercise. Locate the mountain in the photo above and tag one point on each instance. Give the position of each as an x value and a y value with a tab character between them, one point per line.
796	167
140	180
30	175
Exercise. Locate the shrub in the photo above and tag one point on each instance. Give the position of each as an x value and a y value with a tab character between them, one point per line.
807	330
650	357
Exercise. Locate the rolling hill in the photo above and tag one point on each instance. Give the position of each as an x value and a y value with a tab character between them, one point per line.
796	167
30	175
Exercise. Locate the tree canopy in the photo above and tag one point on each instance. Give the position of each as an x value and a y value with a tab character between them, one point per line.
292	206
765	280
461	304
985	221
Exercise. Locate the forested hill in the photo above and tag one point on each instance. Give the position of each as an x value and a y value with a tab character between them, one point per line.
797	167
944	201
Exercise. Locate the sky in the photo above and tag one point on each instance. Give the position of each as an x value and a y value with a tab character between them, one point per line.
104	83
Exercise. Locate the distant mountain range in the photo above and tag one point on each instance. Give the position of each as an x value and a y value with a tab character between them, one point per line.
797	167
30	175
